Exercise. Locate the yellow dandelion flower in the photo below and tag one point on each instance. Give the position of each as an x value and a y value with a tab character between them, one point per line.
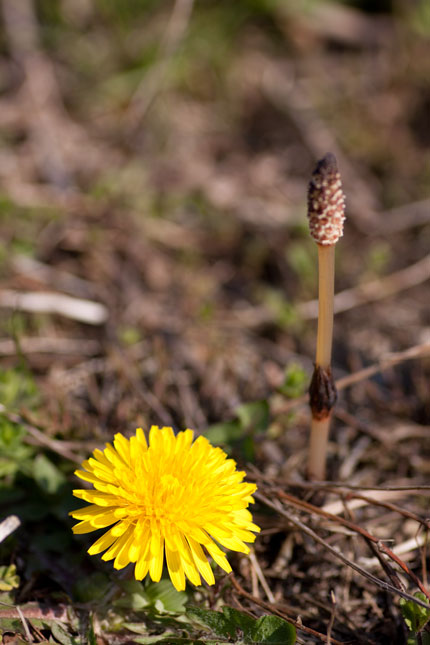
170	497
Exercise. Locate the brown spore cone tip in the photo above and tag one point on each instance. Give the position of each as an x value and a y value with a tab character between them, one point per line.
326	202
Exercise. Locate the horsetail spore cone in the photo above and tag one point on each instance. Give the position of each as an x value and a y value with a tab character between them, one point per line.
326	202
326	213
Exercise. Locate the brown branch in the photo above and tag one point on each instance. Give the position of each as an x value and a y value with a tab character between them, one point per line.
385	362
50	345
374	290
258	476
404	217
59	612
391	574
390	507
357	529
86	311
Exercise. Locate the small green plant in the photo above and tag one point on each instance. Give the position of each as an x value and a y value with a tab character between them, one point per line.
18	389
9	579
283	312
159	597
251	419
295	381
416	619
15	455
300	258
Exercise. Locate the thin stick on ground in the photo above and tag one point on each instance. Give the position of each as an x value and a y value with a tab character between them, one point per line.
374	290
303	505
332	617
326	217
366	574
384	363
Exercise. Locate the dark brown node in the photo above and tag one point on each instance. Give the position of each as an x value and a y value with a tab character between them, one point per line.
322	393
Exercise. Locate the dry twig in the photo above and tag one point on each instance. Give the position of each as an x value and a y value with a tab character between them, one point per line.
57	346
8	526
352	526
373	291
385	362
49	302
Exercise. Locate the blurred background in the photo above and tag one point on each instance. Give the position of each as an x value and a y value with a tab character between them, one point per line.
156	265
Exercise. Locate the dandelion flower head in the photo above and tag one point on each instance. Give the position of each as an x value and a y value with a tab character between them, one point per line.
171	497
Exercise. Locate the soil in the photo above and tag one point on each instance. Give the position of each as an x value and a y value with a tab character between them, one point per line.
167	184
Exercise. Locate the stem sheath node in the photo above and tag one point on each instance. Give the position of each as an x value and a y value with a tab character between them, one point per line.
322	392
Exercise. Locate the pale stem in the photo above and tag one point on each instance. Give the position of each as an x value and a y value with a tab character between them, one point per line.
325	304
320	429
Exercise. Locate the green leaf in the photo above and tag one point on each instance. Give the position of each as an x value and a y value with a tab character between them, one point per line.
164	597
92	587
60	634
254	416
295	381
161	596
11	625
137	628
272	629
216	622
134	596
12	448
58	630
91	636
251	417
284	313
129	335
301	258
17	389
8	578
6	598
414	615
224	433
239	619
238	625
47	475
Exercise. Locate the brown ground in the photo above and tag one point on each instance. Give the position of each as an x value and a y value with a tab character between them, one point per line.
169	186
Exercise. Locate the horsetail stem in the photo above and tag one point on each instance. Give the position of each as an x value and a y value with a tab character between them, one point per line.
326	204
